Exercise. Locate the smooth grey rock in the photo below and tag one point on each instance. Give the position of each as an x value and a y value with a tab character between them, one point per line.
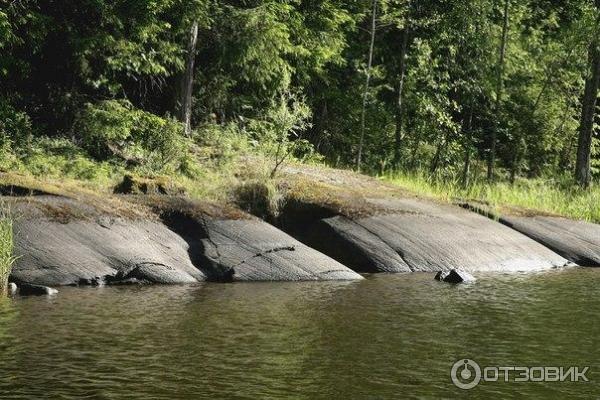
455	276
26	289
419	235
252	250
183	247
12	288
577	241
53	253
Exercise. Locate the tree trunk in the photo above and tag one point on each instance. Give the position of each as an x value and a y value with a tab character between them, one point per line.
322	125
415	150
366	91
586	127
499	87
439	152
469	142
187	82
415	145
514	167
518	152
565	156
399	110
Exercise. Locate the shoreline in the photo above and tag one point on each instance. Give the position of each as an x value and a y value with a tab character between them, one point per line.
328	232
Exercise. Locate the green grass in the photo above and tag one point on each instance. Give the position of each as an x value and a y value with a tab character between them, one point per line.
554	196
218	163
6	248
210	169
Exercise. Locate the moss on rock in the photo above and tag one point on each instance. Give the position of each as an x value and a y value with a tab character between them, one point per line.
140	185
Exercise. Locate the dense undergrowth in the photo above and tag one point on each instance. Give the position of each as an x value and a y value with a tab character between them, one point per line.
223	165
116	139
236	162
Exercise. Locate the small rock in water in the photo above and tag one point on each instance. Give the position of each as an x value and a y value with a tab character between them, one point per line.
125	281
440	275
454	276
12	288
95	281
26	289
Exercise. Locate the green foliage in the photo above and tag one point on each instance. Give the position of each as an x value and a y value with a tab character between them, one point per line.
61	61
255	50
15	129
279	131
258	197
555	195
114	129
6	248
104	124
221	143
58	158
135	43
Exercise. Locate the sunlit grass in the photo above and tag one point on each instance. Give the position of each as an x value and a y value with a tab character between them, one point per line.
215	169
556	196
59	167
6	248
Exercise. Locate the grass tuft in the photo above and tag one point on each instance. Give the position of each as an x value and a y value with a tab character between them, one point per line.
6	248
557	196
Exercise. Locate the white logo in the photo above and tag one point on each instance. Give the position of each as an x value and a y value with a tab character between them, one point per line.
465	374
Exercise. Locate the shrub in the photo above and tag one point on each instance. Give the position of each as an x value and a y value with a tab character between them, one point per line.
279	131
15	128
62	158
222	143
105	125
139	185
114	129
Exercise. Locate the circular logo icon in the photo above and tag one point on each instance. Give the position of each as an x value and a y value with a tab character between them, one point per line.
465	374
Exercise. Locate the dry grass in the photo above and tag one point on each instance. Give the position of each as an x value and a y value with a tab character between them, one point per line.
339	191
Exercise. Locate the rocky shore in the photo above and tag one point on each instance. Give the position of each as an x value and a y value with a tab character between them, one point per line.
178	241
87	239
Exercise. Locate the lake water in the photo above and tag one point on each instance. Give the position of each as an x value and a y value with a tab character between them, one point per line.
389	336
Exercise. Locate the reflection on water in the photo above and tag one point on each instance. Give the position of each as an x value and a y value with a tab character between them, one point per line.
388	336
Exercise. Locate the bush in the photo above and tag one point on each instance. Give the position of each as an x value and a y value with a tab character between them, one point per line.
62	158
279	131
15	129
222	143
114	129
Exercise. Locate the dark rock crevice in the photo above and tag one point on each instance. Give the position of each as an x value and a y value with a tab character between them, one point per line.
263	253
11	190
398	251
316	226
194	231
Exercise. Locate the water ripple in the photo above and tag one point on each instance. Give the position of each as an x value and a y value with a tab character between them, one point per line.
388	336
